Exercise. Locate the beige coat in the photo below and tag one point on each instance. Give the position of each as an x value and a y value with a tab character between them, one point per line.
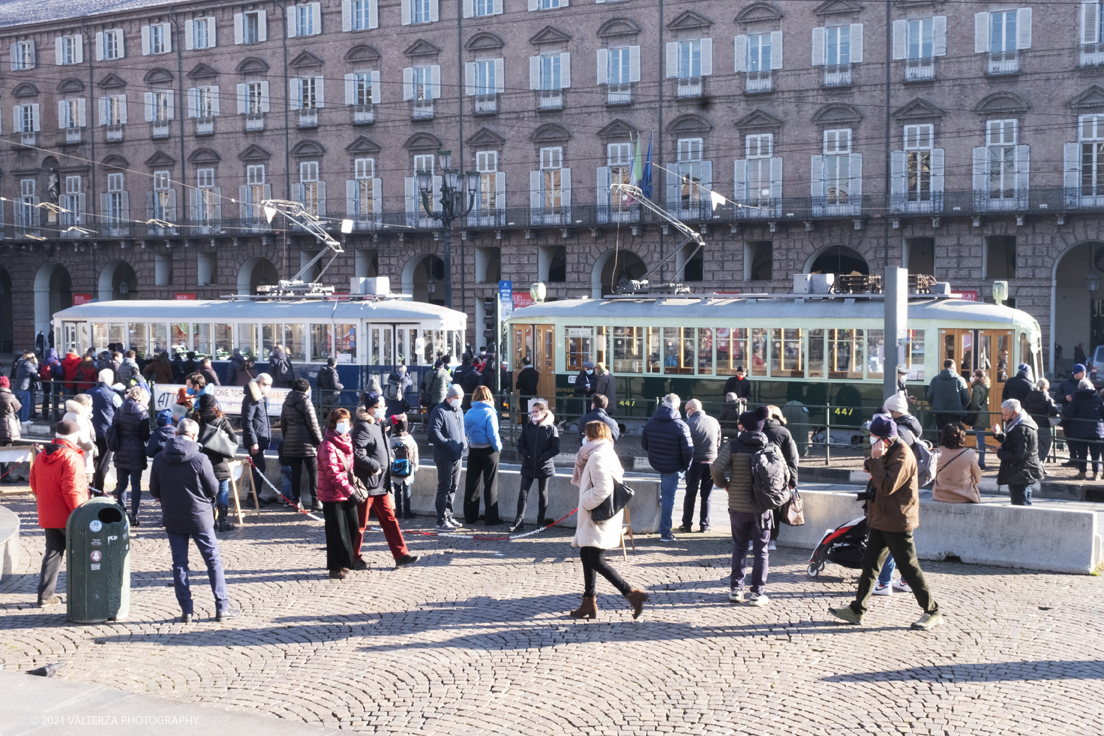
86	440
595	486
956	476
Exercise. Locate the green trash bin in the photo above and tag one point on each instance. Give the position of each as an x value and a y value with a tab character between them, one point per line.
97	562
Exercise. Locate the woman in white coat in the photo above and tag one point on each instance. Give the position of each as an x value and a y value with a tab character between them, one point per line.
79	409
596	468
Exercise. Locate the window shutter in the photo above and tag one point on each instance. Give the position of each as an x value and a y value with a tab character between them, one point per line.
100	45
320	92
900	38
565	190
243	98
534	72
408	83
741	53
435	85
634	64
776	49
673	181
105	209
672	59
262	26
469	8
166	33
123	109
898	165
321	197
565	70
193	205
350	89
216	193
264	97
1090	22
818	46
295	93
36	121
496	7
17	119
500	75
406	14
1023	170
603	191
437	182
776	181
193	102
373	14
816	177
149	106
1023	29
434	11
1071	170
316	16
33	61
170	207
603	66
981	170
375	88
411	196
62	114
82	112
469	78
377	198
706	57
212	36
79	49
535	201
856	43
739	181
124	208
937	177
533	5
145	40
239	30
59	51
291	23
981	33
500	191
351	198
244	210
706	178
14	59
170	101
214	102
189	35
855	191
102	105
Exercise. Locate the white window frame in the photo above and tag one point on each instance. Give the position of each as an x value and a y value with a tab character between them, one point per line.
690	166
551	180
23	56
1001	135
156	39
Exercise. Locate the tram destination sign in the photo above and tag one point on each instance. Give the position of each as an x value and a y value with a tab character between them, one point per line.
229	398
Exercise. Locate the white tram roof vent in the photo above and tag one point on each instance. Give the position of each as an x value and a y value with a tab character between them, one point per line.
813	283
941	288
370	286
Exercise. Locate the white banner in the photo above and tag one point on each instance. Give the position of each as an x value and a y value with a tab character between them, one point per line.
229	398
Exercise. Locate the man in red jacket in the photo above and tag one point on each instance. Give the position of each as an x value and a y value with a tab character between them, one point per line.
60	485
69	366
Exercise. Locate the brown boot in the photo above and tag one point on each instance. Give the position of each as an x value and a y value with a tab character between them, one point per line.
587	609
636	599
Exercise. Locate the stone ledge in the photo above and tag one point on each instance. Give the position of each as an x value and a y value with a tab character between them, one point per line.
9	542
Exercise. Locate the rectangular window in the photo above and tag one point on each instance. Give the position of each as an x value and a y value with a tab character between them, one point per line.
159	38
875	353
759	339
690	171
689	59
580	346
484	8
787	353
837	45
419	10
247	340
113	45
731	349
619	160
251	27
837	165
620	73
255	98
920	48
1002	31
845	354
115	200
759	149
345	339
678	350
162	196
205	195
705	351
362	89
551	4
551	173
628	350
423	92
918	157
308	93
361	11
550	78
485	77
293	343
255	183
486	163
364	173
205	102
309	187
70	50
304	20
70	118
162	106
321	338
816	354
23	56
202	33
1091	136
1000	141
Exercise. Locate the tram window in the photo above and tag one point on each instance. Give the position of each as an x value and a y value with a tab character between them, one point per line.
247	339
180	337
159	337
580	346
705	351
456	340
435	346
915	362
1004	347
116	331
201	337
99	336
1025	349
816	353
138	338
345	338
678	350
223	341
601	346
875	353
759	351
523	345
321	338
270	336
628	349
380	346
294	344
787	355
655	350
845	353
731	349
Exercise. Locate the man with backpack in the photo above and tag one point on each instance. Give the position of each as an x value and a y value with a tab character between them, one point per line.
753	471
670	448
892	513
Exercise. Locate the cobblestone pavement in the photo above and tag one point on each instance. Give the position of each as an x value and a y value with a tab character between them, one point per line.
475	639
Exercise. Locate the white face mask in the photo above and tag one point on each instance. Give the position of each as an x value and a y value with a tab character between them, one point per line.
454	403
342	428
537	416
378	413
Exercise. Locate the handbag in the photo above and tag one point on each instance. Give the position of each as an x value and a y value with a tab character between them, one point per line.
213	439
113	437
614	502
793	511
359	493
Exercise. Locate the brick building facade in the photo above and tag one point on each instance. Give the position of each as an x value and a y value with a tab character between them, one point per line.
133	133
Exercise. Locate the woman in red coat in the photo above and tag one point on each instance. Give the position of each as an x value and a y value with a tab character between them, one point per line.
335	458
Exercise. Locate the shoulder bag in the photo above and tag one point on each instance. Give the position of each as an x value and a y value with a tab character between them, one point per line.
359	493
213	439
614	503
113	434
793	511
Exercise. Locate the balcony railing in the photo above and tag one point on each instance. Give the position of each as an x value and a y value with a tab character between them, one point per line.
486	217
1092	54
159	129
114	133
619	94
837	75
759	81
308	118
758	209
551	99
917	203
690	87
547	217
423	110
486	104
919	70
254	122
1004	62
363	115
73	135
841	206
205	126
27	139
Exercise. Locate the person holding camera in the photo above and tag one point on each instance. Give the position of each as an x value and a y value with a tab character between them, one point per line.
892	513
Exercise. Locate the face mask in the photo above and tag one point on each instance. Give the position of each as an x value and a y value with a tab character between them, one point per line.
454	403
590	373
378	413
536	417
342	428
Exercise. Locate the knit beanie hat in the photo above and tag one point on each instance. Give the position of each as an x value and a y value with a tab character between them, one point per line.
207	403
454	391
1077	368
754	421
370	399
164	417
4	382
67	429
107	376
896	402
883	426
730	396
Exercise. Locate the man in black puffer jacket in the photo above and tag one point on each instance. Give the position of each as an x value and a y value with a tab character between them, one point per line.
1020	385
948	395
446	434
670	448
132	429
302	436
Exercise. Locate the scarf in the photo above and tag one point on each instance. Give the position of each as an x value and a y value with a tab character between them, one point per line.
581	457
1015	420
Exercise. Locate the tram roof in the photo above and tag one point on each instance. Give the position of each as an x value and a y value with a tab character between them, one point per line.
772	307
218	310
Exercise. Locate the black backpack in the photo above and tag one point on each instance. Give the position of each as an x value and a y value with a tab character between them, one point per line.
400	461
769	478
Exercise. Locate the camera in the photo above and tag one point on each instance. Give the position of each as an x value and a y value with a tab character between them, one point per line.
867	495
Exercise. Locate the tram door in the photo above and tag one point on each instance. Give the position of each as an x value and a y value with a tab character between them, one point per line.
538	343
989	350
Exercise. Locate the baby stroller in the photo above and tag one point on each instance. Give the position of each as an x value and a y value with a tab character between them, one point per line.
844	546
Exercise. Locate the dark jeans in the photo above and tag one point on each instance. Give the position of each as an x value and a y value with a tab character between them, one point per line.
482	462
100	464
297	464
259	464
209	551
448	481
523	498
942	420
1046	438
1021	495
51	563
979	438
342	528
594	562
26	400
1080	451
697	477
755	528
52	396
133	478
402	497
903	549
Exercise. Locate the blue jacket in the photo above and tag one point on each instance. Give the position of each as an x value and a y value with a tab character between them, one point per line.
132	427
446	432
599	415
104	403
184	481
1083	418
481	425
666	439
158	439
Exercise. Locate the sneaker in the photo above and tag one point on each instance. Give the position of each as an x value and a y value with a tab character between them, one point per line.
685	528
668	538
229	613
736	595
444	527
360	565
880	589
406	560
772	546
928	621
50	602
758	599
703	530
846	614
902	586
454	523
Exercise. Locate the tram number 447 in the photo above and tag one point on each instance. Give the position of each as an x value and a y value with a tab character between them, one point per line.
840	412
627	403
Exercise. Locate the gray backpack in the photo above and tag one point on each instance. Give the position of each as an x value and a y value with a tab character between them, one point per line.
769	478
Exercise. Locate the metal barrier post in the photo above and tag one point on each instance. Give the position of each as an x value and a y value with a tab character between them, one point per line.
828	434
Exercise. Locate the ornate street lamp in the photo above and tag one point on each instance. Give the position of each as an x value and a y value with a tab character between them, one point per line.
453	205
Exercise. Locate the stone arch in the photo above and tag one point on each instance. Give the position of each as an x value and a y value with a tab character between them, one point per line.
423	142
837	259
423	277
7	324
837	113
53	292
254	272
117	282
611	267
1071	298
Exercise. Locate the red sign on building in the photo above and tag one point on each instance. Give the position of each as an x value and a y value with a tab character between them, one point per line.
182	296
79	299
966	296
522	299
